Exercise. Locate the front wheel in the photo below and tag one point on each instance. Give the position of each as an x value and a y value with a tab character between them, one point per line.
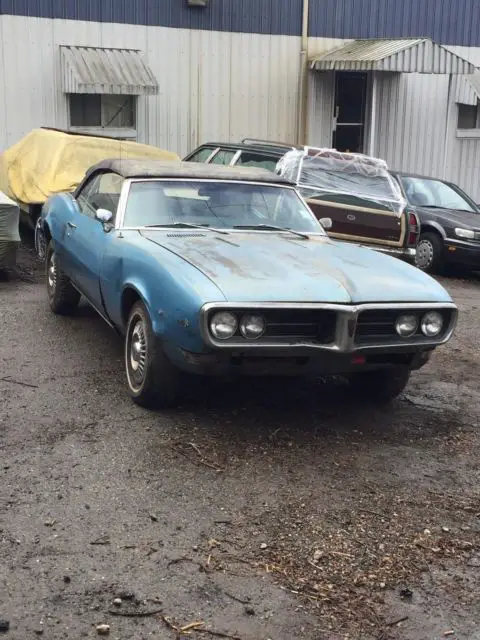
62	295
429	255
152	380
380	386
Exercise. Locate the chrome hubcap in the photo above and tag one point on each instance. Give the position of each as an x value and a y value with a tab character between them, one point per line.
138	349
52	271
424	256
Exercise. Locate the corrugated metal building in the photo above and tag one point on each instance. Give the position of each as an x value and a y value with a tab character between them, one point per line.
396	78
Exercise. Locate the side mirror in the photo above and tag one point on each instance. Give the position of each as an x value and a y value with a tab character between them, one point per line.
326	223
104	215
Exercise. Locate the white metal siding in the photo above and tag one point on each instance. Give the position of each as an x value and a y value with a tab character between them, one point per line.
211	84
412	113
321	109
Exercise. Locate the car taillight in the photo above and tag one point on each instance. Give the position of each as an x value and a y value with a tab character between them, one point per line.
413	229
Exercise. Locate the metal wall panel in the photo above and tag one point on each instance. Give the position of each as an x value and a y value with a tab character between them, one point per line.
249	16
411	124
321	109
211	84
444	21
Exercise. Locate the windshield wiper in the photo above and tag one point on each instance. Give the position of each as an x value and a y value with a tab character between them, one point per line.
185	225
271	227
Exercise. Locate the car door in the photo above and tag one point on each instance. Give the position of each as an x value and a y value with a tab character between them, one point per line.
86	237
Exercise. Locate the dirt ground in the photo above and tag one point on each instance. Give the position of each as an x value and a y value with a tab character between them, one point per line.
263	510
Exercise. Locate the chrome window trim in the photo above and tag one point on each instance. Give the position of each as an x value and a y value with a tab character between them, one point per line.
125	192
235	158
344	341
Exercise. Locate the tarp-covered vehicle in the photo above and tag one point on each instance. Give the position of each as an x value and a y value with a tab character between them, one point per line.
358	193
9	236
48	161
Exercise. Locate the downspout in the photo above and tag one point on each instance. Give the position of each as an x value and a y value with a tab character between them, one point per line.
303	79
447	128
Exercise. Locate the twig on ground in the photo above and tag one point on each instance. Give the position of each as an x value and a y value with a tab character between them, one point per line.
134	614
394	622
170	624
103	540
201	459
192	626
218	634
19	382
230	595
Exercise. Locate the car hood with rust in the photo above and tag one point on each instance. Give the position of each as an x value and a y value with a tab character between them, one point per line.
277	267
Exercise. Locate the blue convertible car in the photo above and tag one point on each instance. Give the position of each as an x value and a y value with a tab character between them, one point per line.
217	270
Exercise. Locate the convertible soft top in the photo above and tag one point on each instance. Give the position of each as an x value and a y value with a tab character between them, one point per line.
189	170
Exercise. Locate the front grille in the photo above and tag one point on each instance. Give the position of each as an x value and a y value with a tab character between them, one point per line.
289	326
377	326
315	326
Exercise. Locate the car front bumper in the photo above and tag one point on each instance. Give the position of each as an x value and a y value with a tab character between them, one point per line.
461	252
276	363
407	254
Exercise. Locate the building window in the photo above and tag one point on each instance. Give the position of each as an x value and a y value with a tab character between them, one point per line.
102	111
468	116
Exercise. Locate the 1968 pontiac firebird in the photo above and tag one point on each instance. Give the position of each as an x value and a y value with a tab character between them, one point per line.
217	270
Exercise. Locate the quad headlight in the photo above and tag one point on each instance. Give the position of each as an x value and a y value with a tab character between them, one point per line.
252	326
432	324
223	325
406	325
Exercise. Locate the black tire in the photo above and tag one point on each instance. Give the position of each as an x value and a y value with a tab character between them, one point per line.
62	295
153	382
380	386
429	256
40	242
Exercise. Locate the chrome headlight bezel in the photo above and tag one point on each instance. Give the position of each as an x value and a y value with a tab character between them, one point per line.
427	319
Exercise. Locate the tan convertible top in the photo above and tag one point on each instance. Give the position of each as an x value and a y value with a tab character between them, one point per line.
48	161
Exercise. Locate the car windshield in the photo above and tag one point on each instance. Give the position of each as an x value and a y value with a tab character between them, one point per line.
217	204
423	192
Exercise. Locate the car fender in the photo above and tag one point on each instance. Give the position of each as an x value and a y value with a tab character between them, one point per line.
172	290
432	224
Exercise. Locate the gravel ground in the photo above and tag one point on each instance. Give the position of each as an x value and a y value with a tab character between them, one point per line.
263	510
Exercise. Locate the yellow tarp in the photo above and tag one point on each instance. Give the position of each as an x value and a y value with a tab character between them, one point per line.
47	161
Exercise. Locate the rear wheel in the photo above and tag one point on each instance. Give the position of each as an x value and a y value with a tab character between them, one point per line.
429	256
152	380
380	386
62	296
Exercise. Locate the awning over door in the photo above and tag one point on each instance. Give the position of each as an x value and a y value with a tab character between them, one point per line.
101	70
413	55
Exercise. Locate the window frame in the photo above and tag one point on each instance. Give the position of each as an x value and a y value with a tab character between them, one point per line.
96	178
213	150
465	132
260	154
126	133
